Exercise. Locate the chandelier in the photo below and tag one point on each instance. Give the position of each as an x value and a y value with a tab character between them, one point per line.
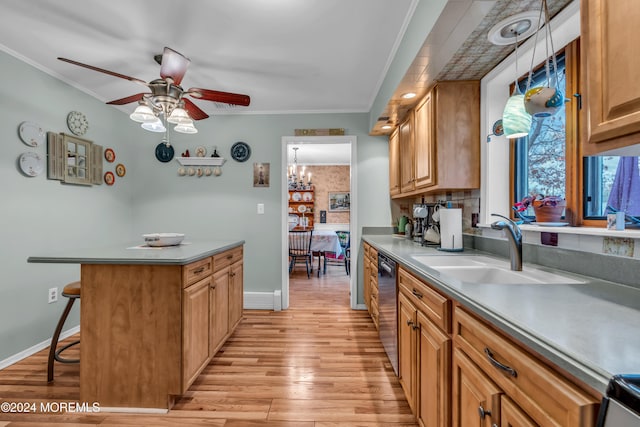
296	175
165	101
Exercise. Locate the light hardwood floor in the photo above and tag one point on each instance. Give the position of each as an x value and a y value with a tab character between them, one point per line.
318	364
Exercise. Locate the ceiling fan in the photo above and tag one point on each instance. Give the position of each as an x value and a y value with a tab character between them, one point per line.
167	97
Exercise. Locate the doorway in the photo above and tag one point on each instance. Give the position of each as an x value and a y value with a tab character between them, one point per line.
320	141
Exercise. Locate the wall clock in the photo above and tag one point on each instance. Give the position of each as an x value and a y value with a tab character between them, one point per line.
240	151
77	123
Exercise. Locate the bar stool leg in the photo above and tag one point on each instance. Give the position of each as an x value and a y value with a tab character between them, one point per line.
56	337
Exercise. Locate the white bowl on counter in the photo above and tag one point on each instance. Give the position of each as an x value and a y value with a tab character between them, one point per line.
163	239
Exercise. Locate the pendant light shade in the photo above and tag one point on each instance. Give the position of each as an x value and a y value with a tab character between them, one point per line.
143	114
155	126
186	128
179	116
515	119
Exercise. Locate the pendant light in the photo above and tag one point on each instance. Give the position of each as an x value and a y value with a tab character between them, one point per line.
516	121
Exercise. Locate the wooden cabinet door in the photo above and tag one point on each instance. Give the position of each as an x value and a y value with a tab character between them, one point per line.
407	349
433	374
512	416
236	293
195	333
219	310
407	167
367	281
424	146
476	399
611	59
394	163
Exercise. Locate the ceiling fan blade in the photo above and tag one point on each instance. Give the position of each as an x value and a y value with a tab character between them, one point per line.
217	96
173	65
194	111
102	70
128	99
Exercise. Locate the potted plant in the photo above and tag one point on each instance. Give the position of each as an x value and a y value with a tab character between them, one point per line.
546	208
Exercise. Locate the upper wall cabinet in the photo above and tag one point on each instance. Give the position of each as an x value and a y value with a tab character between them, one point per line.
394	163
407	165
442	141
610	62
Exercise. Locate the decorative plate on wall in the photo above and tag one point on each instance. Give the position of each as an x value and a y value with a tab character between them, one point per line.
120	170
109	179
77	123
31	134
109	155
32	164
240	151
164	152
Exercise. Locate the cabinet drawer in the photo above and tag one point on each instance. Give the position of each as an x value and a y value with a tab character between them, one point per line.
435	306
195	271
543	393
226	258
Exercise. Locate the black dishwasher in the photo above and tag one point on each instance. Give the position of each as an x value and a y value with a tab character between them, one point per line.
388	308
621	406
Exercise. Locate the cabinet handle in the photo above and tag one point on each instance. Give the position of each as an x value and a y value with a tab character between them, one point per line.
410	323
509	370
416	293
483	412
579	98
232	274
229	256
198	270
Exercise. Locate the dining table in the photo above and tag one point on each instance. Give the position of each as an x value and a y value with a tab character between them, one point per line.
325	241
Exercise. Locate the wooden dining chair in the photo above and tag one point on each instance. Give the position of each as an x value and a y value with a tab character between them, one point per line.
300	249
344	256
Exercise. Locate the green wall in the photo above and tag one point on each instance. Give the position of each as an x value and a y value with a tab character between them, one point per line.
41	216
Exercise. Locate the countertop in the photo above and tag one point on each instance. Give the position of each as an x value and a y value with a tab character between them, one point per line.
137	253
588	329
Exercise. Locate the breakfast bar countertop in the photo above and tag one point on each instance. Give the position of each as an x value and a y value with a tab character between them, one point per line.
589	329
137	253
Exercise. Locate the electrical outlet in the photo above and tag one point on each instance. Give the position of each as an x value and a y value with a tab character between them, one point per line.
260	208
53	295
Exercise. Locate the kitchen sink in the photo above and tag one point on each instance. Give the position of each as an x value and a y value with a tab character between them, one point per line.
434	261
503	275
483	269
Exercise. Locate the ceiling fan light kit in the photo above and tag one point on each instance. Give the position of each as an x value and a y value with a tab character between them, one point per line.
167	97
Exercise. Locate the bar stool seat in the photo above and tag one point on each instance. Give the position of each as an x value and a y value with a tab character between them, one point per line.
71	291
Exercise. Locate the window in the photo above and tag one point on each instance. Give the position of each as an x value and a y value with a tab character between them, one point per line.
548	161
611	183
540	158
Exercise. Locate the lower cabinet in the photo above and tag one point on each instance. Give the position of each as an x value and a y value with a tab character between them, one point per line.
425	351
211	309
458	370
476	398
195	326
531	392
219	310
370	282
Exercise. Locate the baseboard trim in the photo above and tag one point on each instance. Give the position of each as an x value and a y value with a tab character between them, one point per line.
35	348
263	300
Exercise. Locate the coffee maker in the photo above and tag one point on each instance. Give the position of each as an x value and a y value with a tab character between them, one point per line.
422	219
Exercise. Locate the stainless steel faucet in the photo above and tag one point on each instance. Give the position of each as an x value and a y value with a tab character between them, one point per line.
515	240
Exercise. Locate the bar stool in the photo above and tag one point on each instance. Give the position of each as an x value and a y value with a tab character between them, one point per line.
71	291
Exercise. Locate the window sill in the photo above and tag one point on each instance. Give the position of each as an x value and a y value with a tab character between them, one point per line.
632	233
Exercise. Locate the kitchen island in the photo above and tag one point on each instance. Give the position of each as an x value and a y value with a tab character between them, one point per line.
151	319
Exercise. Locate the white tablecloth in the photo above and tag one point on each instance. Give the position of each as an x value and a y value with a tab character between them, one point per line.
325	241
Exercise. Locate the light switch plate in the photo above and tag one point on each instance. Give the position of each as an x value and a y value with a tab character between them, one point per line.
260	208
